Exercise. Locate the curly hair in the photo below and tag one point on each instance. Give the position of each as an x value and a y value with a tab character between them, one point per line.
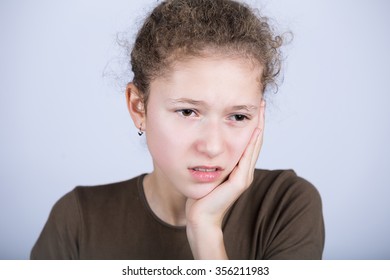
178	29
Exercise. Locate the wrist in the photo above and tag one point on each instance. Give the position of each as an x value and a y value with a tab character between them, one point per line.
206	242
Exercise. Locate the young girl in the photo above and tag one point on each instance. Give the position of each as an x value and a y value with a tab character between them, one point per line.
201	68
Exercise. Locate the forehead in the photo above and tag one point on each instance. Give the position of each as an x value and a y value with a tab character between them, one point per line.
210	76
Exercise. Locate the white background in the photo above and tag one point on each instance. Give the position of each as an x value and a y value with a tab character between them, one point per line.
64	122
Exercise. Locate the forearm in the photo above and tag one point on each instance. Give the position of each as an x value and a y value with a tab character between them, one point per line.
206	243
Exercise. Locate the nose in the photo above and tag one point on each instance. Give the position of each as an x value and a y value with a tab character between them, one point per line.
210	140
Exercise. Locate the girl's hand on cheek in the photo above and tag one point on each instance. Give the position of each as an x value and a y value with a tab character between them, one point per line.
204	216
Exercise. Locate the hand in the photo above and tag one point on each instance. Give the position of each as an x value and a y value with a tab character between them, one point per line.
204	216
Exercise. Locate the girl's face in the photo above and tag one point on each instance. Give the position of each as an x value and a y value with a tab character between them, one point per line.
199	121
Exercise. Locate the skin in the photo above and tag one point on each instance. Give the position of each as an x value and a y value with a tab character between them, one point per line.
205	112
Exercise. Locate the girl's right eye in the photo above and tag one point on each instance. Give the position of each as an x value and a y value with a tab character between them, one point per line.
186	113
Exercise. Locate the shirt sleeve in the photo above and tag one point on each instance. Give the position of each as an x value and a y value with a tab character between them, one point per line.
297	226
59	237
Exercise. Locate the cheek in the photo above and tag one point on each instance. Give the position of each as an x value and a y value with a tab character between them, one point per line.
238	144
163	139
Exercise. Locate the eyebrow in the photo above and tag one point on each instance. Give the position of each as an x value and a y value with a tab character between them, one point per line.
245	107
186	101
194	102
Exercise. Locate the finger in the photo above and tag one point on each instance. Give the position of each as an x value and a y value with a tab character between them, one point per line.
250	155
253	149
246	158
254	144
259	141
240	177
261	114
241	174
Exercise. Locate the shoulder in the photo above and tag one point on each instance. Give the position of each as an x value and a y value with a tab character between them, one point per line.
290	212
101	201
282	184
278	217
284	213
279	192
79	214
108	192
279	177
85	201
274	191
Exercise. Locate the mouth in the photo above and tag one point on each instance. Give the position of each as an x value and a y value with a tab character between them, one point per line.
206	169
206	174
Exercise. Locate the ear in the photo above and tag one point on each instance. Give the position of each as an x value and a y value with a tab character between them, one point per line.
135	104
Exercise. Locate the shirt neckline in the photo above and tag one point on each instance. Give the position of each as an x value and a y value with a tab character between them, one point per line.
148	209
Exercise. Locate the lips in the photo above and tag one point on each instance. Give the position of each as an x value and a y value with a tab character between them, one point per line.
205	174
205	169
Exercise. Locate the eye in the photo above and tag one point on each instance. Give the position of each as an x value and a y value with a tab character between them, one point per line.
239	118
186	112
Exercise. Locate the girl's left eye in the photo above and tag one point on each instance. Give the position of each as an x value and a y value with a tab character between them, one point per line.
239	118
186	112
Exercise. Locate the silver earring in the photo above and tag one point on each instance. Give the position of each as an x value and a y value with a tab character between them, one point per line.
140	132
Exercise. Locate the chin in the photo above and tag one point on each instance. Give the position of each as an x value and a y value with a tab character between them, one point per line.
199	191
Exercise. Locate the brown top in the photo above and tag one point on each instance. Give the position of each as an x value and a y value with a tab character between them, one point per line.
278	217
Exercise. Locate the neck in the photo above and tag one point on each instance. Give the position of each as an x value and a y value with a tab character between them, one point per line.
164	200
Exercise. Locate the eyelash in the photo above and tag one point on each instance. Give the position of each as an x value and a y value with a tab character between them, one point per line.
244	117
187	113
182	111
